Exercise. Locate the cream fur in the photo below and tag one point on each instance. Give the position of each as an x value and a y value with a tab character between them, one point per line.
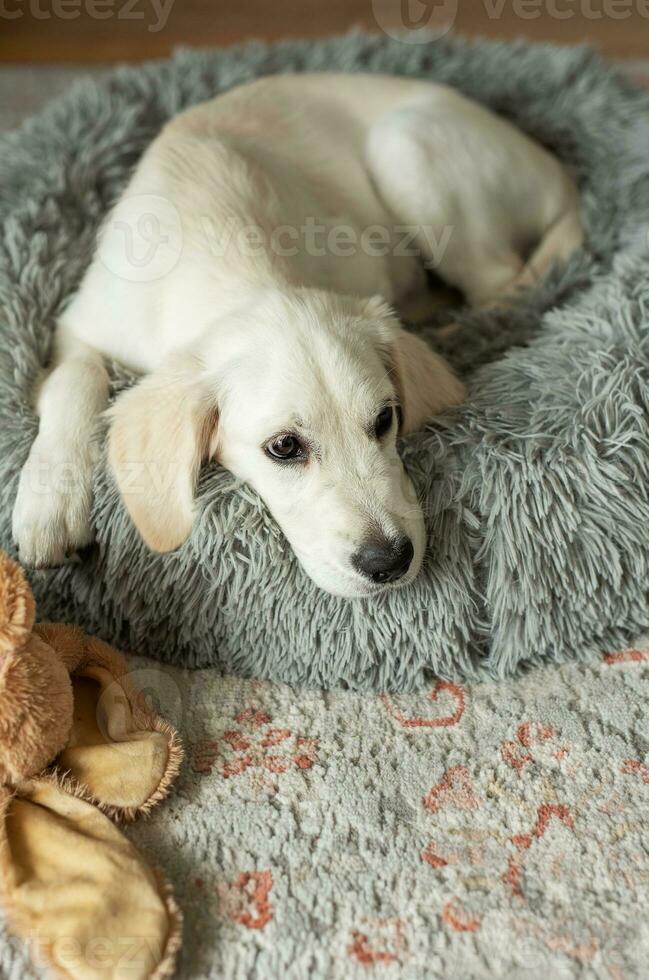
284	337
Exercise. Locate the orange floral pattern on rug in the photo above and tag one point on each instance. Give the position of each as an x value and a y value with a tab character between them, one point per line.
626	656
383	941
457	921
255	744
456	702
455	789
518	753
508	825
633	767
246	899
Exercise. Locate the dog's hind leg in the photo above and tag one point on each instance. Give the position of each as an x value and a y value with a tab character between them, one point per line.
476	192
51	517
563	238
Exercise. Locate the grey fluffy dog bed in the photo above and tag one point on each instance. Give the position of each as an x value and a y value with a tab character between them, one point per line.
535	491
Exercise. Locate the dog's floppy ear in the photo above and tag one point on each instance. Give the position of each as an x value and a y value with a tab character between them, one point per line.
424	381
161	431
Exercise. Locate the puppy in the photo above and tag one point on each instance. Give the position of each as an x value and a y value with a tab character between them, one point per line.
284	221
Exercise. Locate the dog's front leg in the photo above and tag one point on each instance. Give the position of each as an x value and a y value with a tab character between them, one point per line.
51	517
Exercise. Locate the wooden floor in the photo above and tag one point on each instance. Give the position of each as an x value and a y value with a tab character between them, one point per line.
95	31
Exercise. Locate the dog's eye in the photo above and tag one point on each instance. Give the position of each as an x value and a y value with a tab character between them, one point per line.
383	421
285	448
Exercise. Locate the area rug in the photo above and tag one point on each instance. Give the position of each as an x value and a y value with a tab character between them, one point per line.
535	492
495	830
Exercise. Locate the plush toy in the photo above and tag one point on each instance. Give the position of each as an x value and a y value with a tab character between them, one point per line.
79	749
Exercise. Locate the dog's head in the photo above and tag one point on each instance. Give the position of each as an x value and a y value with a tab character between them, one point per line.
302	396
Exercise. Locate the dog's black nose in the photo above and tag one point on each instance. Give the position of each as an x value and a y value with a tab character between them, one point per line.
384	561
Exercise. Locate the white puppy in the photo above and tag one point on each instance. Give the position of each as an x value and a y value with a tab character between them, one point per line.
276	222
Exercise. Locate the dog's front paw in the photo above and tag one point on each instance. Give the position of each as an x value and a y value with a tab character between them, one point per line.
51	518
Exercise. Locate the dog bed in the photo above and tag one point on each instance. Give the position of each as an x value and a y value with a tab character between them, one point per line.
535	491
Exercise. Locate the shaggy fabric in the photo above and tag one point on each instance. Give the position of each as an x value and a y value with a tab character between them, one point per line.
494	830
535	492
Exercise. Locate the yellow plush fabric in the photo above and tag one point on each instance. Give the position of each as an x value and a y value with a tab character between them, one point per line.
79	746
122	755
79	889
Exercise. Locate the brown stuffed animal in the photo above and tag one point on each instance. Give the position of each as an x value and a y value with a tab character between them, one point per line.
71	884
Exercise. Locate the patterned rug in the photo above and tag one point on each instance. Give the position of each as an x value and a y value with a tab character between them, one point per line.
489	830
